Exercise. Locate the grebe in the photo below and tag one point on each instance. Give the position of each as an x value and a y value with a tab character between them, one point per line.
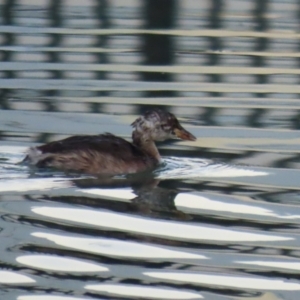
106	154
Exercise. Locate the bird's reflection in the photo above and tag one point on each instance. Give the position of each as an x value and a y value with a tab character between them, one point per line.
148	197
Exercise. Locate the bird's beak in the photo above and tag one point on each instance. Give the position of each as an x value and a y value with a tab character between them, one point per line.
184	134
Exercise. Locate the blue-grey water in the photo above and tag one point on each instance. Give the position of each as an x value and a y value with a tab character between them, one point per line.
219	219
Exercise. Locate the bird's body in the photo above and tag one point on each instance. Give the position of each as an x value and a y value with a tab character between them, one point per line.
108	154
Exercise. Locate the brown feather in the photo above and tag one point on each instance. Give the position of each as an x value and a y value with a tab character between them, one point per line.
98	154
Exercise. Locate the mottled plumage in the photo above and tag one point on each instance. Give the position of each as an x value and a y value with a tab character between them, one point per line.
108	154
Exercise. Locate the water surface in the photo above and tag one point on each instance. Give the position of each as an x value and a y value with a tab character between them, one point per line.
219	219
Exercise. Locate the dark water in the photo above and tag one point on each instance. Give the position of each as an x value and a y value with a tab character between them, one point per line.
221	219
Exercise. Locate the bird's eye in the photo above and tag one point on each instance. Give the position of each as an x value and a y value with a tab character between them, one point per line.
165	127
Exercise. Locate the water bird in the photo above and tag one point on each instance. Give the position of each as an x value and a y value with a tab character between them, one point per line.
107	154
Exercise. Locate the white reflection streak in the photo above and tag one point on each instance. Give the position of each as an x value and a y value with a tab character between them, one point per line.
12	277
13	149
22	185
227	281
48	297
56	263
125	194
113	247
273	264
199	202
143	292
169	229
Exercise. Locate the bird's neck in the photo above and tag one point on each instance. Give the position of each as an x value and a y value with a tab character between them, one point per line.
146	144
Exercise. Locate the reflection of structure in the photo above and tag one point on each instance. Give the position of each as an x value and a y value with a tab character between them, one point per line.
221	63
8	39
158	49
213	59
102	16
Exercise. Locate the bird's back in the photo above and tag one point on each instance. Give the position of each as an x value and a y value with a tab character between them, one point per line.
96	154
